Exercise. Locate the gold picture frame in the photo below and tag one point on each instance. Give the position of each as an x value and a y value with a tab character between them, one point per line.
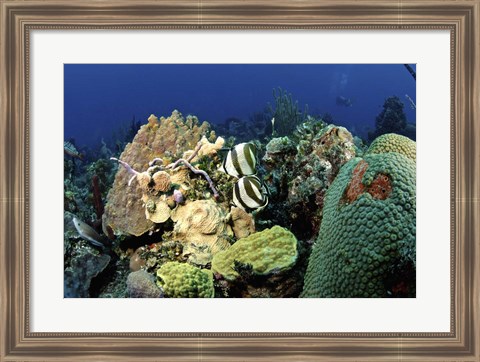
18	18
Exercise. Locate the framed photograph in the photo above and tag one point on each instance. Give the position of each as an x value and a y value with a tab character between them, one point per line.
239	180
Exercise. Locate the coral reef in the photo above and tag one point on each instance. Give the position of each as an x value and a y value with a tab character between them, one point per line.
136	260
298	177
165	138
267	264
392	119
141	284
201	226
268	251
156	210
286	114
181	280
243	223
152	256
78	277
204	148
366	244
392	142
258	126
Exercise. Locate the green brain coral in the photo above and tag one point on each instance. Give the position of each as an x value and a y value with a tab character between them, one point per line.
392	142
366	243
181	280
266	251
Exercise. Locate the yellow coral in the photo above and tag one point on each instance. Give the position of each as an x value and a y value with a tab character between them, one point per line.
158	212
203	224
268	251
392	142
181	280
207	148
243	223
152	119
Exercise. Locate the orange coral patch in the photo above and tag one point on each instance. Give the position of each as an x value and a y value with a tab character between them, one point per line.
355	188
381	187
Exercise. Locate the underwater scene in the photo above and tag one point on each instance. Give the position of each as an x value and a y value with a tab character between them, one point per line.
239	181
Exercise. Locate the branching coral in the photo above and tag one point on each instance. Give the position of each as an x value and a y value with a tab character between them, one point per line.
162	179
286	113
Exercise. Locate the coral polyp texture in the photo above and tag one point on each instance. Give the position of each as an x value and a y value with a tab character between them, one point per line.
366	243
267	251
165	138
181	280
392	142
201	226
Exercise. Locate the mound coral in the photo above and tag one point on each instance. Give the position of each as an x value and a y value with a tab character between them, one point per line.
392	142
141	284
269	251
181	280
243	223
166	138
366	243
201	226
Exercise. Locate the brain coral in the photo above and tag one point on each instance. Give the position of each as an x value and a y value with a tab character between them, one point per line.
181	280
392	142
366	244
268	251
201	226
166	138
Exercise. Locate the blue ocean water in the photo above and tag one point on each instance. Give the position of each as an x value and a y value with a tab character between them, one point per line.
99	99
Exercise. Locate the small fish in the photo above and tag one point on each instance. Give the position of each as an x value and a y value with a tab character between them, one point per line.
241	160
69	149
250	194
88	233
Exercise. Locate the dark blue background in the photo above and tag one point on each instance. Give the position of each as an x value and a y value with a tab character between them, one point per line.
100	98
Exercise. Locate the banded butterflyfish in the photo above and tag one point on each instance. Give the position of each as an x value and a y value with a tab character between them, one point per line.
241	160
250	194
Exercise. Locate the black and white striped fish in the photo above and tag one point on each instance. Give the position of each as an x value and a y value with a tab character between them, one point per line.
250	194
241	160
